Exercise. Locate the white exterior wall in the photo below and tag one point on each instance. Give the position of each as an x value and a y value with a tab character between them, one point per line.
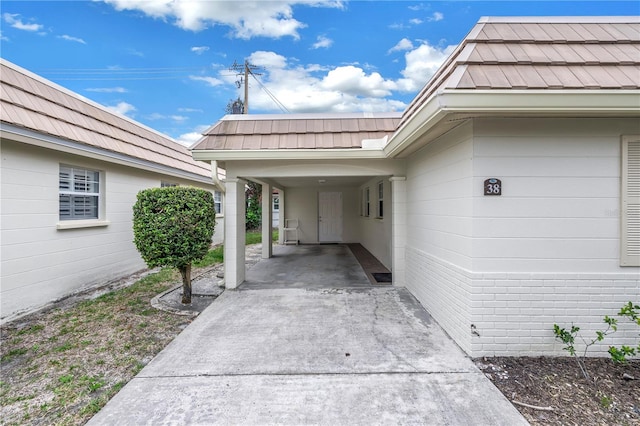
41	263
547	250
302	204
375	232
439	245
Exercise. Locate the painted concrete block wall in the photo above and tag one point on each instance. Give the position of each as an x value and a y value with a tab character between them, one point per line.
302	204
547	250
375	232
41	263
438	249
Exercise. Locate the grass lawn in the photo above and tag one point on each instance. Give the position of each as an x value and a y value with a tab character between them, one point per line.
62	365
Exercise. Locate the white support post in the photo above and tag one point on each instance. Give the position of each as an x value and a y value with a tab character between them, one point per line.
398	228
234	233
267	222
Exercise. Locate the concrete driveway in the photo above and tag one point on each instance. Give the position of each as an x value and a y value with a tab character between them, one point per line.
340	356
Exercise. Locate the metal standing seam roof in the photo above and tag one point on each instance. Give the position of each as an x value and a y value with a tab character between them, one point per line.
31	102
297	131
542	53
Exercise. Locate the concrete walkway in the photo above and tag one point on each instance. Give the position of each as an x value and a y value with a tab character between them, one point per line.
339	356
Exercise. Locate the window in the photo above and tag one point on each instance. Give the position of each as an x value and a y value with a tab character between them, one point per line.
164	184
380	199
217	201
367	203
630	218
276	203
79	193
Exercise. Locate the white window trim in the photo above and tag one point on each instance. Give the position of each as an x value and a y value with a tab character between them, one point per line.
100	221
630	202
77	224
380	211
367	202
221	214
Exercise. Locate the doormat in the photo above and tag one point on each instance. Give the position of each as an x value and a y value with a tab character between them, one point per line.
382	277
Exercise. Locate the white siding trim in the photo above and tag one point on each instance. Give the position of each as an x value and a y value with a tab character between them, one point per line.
630	196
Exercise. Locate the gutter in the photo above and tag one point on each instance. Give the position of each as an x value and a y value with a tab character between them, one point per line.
30	137
214	177
512	103
287	154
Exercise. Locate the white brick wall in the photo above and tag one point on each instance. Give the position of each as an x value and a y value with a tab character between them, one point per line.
41	263
545	252
444	290
514	313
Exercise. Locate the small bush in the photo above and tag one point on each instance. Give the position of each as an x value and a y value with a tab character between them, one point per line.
173	227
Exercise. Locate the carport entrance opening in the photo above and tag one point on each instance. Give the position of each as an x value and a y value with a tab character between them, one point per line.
315	266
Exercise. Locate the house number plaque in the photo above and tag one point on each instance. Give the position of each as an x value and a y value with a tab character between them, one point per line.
493	186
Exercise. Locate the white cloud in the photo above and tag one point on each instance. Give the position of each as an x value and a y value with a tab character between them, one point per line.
176	118
268	59
211	81
316	88
70	38
323	42
3	37
188	139
415	21
402	45
14	20
135	52
246	19
348	88
199	50
421	64
107	89
353	81
437	16
190	110
121	108
418	7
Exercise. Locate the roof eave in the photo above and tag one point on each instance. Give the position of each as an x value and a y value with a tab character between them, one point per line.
286	154
504	103
18	134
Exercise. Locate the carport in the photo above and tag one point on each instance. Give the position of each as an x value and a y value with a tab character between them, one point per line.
331	175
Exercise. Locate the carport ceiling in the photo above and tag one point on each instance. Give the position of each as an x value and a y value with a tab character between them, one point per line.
316	181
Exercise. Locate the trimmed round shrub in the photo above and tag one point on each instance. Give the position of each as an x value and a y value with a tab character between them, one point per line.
173	227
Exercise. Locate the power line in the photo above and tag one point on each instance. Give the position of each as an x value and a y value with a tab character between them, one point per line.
271	95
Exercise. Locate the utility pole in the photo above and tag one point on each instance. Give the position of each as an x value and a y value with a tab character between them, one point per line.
245	69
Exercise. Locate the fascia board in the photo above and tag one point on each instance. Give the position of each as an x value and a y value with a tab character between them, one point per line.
30	137
287	154
549	103
423	119
587	102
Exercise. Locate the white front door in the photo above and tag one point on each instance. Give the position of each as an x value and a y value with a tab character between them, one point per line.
330	217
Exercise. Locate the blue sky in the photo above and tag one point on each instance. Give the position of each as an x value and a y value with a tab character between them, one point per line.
165	63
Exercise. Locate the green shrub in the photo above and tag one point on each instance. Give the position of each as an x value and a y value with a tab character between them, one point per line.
173	227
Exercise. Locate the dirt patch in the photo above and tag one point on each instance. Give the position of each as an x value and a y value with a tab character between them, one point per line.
563	395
